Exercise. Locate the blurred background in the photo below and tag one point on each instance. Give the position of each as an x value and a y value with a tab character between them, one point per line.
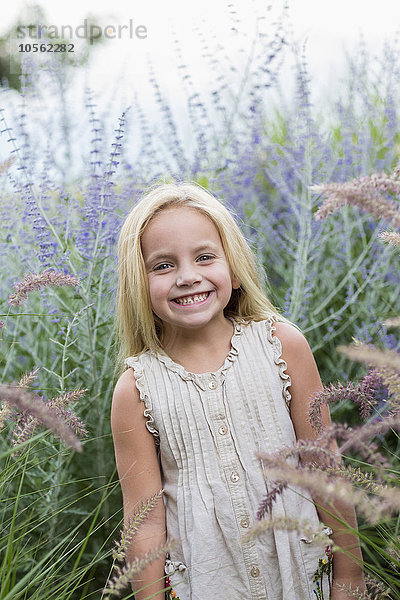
116	70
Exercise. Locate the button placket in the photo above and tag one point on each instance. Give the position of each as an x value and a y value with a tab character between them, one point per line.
229	460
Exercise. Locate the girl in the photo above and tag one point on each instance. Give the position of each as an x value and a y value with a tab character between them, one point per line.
214	375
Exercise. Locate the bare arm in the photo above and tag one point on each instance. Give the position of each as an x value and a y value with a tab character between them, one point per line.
305	383
140	478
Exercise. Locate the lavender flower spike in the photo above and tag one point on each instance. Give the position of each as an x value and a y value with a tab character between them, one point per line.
35	281
26	402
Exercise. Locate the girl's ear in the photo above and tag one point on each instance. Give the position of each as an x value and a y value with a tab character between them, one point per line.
235	283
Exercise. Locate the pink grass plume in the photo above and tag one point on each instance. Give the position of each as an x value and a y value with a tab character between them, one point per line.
34	408
35	281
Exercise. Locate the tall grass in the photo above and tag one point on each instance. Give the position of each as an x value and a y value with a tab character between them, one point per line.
61	510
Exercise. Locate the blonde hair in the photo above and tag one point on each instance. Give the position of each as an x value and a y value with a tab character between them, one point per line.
138	329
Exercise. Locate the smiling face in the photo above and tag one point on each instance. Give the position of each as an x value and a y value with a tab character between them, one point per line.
189	278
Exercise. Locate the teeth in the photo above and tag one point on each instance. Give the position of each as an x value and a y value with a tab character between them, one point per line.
192	299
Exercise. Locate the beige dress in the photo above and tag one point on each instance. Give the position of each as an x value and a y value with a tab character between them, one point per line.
209	427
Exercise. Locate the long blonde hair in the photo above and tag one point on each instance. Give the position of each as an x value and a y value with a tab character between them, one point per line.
137	328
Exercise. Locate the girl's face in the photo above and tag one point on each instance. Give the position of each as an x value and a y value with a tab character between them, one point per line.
189	278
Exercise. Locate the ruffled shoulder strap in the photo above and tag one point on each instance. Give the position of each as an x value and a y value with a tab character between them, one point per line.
278	360
136	364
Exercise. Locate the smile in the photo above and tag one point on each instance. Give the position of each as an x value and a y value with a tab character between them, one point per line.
195	299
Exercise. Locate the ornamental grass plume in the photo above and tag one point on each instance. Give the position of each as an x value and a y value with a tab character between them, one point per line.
27	422
357	439
60	402
363	393
265	507
303	527
301	449
4	166
6	410
33	408
391	237
393	322
354	475
125	574
376	590
384	503
28	378
367	193
36	281
306	450
391	380
131	527
373	356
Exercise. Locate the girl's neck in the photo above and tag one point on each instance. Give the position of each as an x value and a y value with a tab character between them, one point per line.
191	345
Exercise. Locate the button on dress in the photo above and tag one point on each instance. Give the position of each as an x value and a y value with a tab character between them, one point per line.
209	427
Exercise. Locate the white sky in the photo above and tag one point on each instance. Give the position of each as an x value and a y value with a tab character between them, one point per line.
328	27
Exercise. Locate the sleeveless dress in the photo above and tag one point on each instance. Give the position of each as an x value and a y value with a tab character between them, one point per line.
209	427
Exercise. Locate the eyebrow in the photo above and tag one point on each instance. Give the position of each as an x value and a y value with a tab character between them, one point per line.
160	254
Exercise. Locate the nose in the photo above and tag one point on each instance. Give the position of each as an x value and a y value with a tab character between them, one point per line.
188	275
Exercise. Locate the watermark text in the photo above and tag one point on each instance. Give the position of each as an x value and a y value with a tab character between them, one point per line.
87	30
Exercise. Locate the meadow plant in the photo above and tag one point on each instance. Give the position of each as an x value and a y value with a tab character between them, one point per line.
34	281
374	491
392	237
132	526
124	574
33	411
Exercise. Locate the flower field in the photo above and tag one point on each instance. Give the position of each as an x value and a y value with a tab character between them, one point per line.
312	187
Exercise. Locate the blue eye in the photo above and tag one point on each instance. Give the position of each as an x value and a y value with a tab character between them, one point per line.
158	267
206	256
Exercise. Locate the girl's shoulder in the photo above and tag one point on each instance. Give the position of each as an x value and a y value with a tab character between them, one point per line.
127	389
125	394
289	342
293	343
288	332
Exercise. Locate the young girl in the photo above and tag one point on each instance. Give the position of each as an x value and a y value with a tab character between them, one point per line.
214	375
